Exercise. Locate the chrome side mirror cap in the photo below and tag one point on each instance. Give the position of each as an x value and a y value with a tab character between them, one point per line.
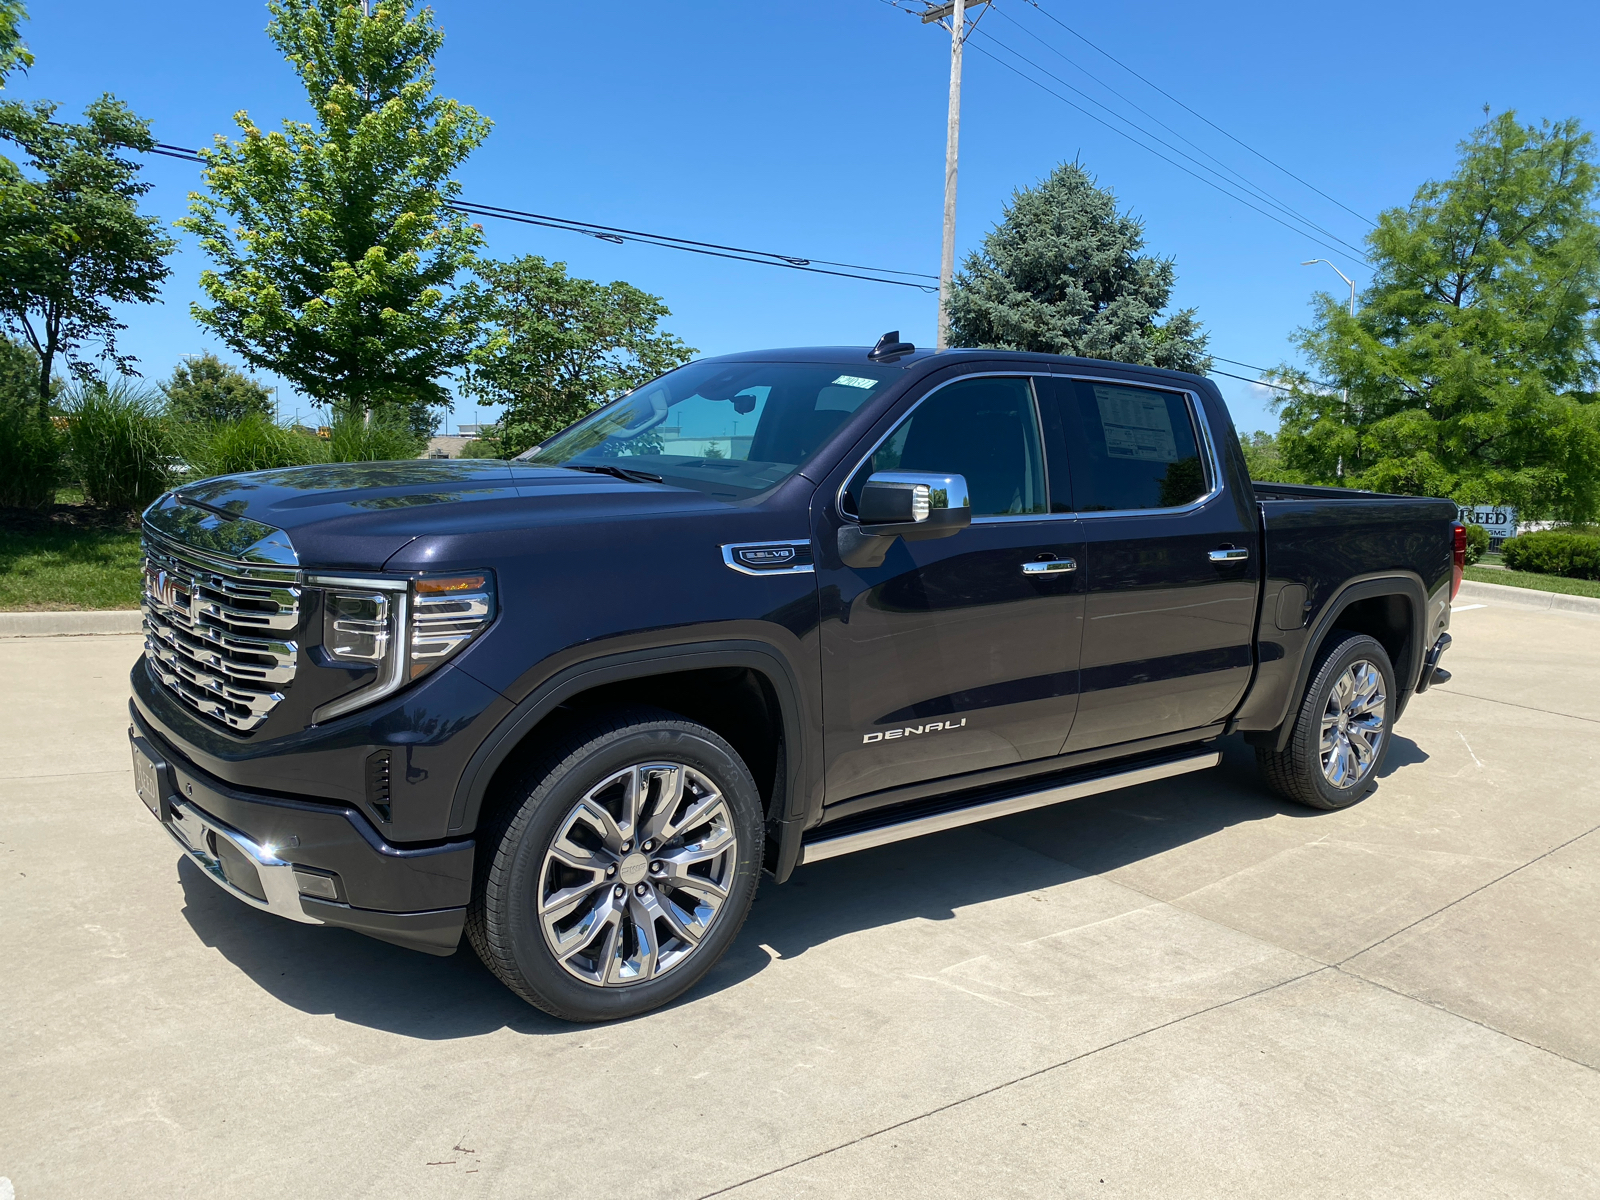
915	505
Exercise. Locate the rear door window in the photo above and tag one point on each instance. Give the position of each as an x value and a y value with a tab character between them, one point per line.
1130	447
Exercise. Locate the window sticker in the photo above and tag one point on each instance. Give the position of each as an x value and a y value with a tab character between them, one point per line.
1137	424
855	381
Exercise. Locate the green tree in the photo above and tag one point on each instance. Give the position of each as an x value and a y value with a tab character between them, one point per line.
560	347
1064	273
72	242
1263	456
1467	359
335	244
206	389
14	53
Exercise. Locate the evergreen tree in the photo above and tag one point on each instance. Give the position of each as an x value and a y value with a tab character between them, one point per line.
1064	273
206	389
336	247
1471	361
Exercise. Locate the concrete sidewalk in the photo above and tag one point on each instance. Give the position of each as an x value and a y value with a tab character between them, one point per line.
1184	990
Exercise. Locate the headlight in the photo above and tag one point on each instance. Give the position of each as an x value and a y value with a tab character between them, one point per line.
403	627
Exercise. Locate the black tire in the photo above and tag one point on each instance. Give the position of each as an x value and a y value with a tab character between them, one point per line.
512	871
1297	771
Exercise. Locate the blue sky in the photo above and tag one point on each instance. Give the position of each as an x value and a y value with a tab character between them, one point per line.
818	130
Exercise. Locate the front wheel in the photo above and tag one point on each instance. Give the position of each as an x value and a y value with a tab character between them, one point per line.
1341	731
625	870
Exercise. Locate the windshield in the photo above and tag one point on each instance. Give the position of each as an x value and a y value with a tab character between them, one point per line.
727	429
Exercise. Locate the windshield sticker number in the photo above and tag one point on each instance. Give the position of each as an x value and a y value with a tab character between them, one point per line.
855	381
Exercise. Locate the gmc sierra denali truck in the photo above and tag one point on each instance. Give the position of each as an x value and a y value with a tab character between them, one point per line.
770	608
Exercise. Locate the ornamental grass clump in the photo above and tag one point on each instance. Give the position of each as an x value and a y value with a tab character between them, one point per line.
254	442
118	443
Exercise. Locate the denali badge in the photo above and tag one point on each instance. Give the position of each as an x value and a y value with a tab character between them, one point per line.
911	730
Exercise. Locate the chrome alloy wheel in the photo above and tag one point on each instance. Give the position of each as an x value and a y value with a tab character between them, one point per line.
1353	725
636	874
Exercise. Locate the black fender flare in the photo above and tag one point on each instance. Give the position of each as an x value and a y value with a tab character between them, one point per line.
1366	587
473	785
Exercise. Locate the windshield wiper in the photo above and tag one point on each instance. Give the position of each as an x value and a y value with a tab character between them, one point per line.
627	473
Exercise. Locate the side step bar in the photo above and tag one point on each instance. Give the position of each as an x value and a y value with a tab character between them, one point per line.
916	826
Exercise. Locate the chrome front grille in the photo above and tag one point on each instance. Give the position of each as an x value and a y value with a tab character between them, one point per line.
220	634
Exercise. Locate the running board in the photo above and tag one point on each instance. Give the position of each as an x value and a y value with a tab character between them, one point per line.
916	826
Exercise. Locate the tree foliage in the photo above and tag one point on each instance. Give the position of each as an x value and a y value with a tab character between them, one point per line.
14	53
206	389
1064	273
72	242
335	245
1467	361
560	347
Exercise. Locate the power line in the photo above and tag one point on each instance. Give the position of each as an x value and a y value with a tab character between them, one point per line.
1343	250
618	235
1238	177
1051	17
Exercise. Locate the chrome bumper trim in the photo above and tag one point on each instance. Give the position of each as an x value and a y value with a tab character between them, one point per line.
196	832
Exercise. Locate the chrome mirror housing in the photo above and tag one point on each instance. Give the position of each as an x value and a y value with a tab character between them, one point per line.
915	505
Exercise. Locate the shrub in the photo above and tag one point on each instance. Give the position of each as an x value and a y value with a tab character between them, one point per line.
1553	552
30	456
254	442
1477	543
117	443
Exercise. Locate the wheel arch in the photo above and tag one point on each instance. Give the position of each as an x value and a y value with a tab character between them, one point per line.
641	676
1392	608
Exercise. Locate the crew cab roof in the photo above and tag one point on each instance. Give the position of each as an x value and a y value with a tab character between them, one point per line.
927	360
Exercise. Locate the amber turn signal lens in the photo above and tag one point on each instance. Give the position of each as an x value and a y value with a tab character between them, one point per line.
439	585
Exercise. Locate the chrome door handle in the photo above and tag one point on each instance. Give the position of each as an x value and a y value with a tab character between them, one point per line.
1228	555
1053	567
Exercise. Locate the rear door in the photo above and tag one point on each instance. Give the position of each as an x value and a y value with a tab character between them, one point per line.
951	656
1171	561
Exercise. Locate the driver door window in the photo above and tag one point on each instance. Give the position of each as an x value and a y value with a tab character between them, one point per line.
986	430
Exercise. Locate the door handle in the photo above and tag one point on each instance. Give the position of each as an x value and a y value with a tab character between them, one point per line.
1228	554
1052	567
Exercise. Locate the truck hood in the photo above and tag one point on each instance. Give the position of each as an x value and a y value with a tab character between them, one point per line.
357	515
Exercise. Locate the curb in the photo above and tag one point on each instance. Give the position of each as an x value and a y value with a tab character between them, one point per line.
68	624
1515	597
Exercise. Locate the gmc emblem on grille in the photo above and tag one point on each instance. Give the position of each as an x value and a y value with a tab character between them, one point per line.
162	587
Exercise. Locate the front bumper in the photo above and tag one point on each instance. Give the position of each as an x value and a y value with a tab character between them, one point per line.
312	863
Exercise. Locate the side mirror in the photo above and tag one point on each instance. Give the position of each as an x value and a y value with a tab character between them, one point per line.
915	505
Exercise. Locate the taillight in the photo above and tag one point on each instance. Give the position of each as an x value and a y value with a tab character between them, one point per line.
1458	558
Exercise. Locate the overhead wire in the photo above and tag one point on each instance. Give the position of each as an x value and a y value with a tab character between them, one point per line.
716	250
619	235
1238	178
1343	250
1199	116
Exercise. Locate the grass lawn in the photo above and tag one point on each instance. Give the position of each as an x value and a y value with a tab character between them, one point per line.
1539	583
69	557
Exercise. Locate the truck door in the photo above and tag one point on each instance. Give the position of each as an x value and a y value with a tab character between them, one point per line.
1171	562
959	653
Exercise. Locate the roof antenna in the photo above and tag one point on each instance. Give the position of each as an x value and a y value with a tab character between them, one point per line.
889	348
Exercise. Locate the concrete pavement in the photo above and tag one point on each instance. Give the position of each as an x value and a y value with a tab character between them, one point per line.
1186	989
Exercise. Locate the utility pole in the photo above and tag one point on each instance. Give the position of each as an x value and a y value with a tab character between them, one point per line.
957	12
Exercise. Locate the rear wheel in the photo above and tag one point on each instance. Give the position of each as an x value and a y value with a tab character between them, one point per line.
1341	731
624	872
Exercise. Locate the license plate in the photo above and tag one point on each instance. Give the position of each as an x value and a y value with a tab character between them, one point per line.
147	781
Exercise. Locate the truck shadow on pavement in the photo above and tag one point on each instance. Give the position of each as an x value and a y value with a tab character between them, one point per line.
334	971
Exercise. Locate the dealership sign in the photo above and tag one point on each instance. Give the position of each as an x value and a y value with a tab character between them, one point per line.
1499	519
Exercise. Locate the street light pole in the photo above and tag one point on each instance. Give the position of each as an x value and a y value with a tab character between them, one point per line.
1344	393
